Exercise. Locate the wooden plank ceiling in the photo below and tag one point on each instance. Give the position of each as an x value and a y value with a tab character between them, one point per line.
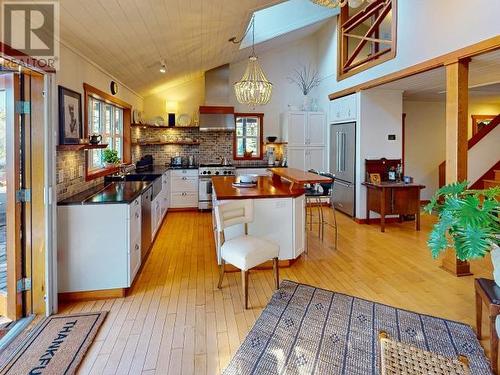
128	37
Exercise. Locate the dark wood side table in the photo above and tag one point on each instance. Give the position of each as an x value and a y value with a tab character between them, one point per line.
488	292
393	198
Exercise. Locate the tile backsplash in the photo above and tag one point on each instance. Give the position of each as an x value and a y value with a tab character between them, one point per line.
213	146
69	166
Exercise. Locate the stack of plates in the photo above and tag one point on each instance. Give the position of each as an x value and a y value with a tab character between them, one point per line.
244	184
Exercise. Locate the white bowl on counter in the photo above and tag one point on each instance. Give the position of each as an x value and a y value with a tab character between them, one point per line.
249	178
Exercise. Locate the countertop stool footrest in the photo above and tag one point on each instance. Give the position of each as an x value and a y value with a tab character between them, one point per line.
400	358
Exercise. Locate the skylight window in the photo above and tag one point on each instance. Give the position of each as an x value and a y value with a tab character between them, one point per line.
285	17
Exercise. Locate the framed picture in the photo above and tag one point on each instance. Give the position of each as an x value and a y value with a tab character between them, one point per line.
70	116
375	178
480	121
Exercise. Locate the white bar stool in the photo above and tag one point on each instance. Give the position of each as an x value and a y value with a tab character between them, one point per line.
245	251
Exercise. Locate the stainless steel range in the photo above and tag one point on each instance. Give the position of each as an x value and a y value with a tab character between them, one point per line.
205	173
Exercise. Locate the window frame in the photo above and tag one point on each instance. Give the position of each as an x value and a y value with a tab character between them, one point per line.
343	42
92	92
260	156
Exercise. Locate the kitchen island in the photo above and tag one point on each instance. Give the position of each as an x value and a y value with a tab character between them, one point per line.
279	209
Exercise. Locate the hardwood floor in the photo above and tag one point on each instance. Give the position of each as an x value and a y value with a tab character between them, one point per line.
177	321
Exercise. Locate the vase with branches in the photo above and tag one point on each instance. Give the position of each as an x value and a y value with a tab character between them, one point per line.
306	78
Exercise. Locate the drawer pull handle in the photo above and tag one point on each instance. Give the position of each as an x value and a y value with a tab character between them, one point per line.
184	178
136	246
137	214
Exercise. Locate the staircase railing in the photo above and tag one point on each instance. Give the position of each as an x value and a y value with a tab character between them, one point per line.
471	143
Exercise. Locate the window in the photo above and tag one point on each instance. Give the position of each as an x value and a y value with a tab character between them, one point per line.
107	120
367	36
248	136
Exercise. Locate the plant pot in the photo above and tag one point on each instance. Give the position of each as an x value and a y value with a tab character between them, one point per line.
109	165
495	259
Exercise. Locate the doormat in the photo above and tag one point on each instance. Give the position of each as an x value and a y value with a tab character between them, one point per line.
56	346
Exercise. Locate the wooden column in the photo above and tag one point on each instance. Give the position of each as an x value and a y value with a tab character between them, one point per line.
457	95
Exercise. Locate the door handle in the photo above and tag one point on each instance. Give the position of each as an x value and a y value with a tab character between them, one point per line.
136	246
137	214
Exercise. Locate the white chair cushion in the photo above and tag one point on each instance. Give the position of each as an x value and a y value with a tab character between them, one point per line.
246	252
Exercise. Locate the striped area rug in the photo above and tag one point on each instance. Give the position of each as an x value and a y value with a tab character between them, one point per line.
307	330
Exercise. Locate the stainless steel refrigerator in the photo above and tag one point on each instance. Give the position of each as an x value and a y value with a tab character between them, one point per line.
342	165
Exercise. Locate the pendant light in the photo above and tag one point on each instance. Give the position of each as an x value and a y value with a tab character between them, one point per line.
253	88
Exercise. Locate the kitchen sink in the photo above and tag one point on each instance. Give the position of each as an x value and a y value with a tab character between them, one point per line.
131	177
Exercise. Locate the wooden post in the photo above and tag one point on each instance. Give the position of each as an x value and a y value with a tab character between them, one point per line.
457	95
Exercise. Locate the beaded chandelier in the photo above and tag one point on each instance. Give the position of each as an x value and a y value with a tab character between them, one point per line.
253	88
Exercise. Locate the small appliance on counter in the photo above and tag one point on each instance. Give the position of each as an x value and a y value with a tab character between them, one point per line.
176	161
145	163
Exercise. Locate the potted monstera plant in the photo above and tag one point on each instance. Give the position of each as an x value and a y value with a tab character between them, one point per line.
468	222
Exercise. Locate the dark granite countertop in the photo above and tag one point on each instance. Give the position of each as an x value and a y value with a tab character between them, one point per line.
112	193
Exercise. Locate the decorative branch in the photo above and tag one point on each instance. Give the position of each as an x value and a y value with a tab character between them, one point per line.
306	78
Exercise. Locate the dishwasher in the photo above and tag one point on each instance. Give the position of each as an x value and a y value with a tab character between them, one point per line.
146	222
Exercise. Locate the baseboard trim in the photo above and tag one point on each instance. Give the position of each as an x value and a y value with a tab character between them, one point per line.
91	295
388	220
183	209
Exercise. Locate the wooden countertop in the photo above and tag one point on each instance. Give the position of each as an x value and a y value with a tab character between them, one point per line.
297	177
392	184
266	188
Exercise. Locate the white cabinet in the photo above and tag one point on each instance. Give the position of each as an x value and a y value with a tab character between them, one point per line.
156	214
257	171
135	238
304	128
165	193
343	109
184	188
305	158
305	133
99	246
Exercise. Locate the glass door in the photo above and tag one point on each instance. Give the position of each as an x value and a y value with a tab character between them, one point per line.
22	224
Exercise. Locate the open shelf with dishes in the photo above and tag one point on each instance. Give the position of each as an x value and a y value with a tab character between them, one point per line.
78	147
151	126
183	143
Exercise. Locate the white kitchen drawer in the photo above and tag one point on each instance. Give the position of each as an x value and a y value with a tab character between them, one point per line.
134	259
184	183
184	199
184	172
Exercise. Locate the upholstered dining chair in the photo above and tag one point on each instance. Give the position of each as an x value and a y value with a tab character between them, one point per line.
243	252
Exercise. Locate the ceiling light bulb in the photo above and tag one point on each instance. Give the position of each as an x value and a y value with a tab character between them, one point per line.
163	69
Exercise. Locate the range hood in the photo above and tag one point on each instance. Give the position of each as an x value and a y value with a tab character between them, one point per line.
216	114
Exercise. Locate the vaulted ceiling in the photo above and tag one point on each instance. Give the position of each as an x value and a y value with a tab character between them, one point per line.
128	37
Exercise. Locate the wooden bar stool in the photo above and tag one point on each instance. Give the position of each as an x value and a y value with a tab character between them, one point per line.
244	252
488	292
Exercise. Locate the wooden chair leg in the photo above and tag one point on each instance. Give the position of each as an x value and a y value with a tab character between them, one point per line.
493	345
479	315
244	282
221	273
276	271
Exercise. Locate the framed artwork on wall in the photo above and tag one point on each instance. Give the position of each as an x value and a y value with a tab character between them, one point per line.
70	116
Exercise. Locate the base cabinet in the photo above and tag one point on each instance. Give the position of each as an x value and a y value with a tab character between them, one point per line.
99	246
305	158
184	188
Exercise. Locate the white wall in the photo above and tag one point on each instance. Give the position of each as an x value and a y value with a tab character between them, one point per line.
379	115
426	29
425	139
75	70
278	64
483	155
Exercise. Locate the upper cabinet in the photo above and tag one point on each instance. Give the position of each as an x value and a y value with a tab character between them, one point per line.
304	128
343	109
